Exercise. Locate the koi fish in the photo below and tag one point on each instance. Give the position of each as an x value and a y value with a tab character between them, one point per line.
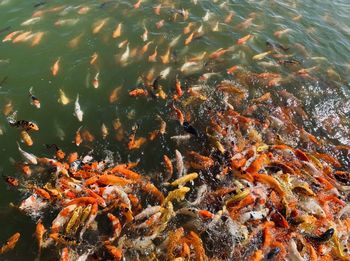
10	36
74	219
179	163
137	4
125	56
26	138
179	114
160	24
39	232
24	125
166	57
138	92
99	25
162	128
178	88
28	157
77	111
153	57
260	56
31	21
83	10
229	17
34	101
189	39
22	37
244	39
177	194
280	33
157	8
118	31
64	100
12	181
187	29
113	97
95	81
104	131
123	43
207	16
10	244
144	36
37	38
67	22
55	68
117	227
245	24
168	165
65	254
75	41
145	47
174	42
182	180
164	74
216	27
114	251
93	58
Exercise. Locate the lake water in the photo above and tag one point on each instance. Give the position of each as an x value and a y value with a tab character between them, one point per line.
312	35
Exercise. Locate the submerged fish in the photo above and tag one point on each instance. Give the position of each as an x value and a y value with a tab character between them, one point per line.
28	157
34	100
77	110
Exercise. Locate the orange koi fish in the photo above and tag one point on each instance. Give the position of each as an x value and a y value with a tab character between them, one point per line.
166	57
179	114
95	81
22	37
160	24
189	39
179	91
37	38
145	47
229	17
187	29
99	25
137	4
138	92
55	67
157	8
153	57
113	97
39	232
280	33
232	69
168	165
75	41
78	139
83	10
244	39
10	244
118	31
10	36
93	58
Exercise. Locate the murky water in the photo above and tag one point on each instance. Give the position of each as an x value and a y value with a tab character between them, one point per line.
310	35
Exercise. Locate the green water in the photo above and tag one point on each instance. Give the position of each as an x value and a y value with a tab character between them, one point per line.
321	38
